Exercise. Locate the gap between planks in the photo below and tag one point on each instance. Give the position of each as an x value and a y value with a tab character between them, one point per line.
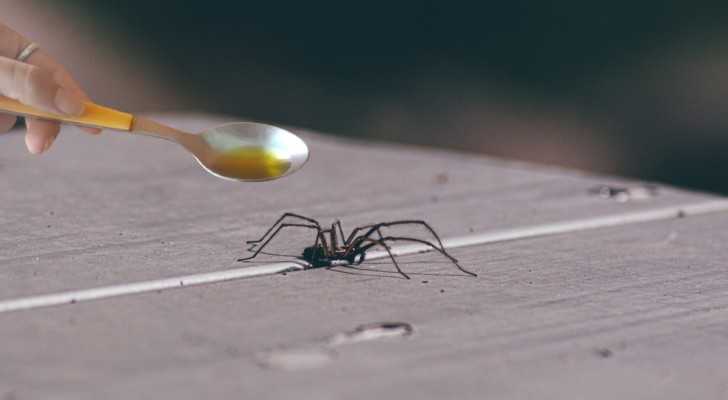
102	292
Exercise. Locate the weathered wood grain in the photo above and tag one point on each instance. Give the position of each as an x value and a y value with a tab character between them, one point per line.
121	208
631	311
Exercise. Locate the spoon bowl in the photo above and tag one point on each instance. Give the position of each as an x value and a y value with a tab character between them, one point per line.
252	151
239	151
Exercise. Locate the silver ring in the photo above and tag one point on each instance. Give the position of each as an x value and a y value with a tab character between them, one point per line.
28	51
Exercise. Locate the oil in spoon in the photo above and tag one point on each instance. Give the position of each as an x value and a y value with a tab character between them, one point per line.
250	163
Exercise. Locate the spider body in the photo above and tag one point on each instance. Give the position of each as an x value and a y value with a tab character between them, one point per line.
331	245
317	257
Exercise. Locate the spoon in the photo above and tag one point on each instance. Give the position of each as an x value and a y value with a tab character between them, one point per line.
239	151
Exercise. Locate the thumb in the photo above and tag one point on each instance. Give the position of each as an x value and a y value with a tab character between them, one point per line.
35	87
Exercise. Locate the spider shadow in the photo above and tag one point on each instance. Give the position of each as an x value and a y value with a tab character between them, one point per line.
353	269
358	270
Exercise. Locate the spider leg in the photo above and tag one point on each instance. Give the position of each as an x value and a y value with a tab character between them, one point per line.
336	231
280	227
370	229
280	220
338	226
361	258
351	251
425	242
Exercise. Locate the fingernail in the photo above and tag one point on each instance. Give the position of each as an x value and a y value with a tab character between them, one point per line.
35	150
35	147
68	103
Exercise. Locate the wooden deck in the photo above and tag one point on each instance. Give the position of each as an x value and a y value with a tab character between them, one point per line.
119	280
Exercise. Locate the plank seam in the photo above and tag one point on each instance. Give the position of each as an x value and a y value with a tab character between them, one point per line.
103	292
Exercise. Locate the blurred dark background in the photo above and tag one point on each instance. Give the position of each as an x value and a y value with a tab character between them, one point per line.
636	88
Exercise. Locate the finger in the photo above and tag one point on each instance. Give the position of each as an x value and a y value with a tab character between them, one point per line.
35	87
6	122
12	44
62	77
90	130
40	134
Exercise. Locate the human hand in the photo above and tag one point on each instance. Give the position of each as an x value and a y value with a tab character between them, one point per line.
39	81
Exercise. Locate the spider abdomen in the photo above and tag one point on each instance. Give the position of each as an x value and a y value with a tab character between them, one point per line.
316	256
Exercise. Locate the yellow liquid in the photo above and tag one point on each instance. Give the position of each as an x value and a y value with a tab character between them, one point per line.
251	162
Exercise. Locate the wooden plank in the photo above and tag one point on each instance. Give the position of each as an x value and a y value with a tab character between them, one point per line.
119	208
613	300
612	313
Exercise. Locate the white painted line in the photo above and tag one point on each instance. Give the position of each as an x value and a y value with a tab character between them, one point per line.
561	227
74	296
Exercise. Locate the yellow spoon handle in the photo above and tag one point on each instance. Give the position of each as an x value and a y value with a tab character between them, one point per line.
94	115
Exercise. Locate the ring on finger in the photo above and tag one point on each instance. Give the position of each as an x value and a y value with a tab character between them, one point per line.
26	52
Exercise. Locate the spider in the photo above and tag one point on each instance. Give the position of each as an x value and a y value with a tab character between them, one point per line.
327	249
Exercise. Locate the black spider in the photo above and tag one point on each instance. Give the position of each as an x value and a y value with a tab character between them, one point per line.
326	248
